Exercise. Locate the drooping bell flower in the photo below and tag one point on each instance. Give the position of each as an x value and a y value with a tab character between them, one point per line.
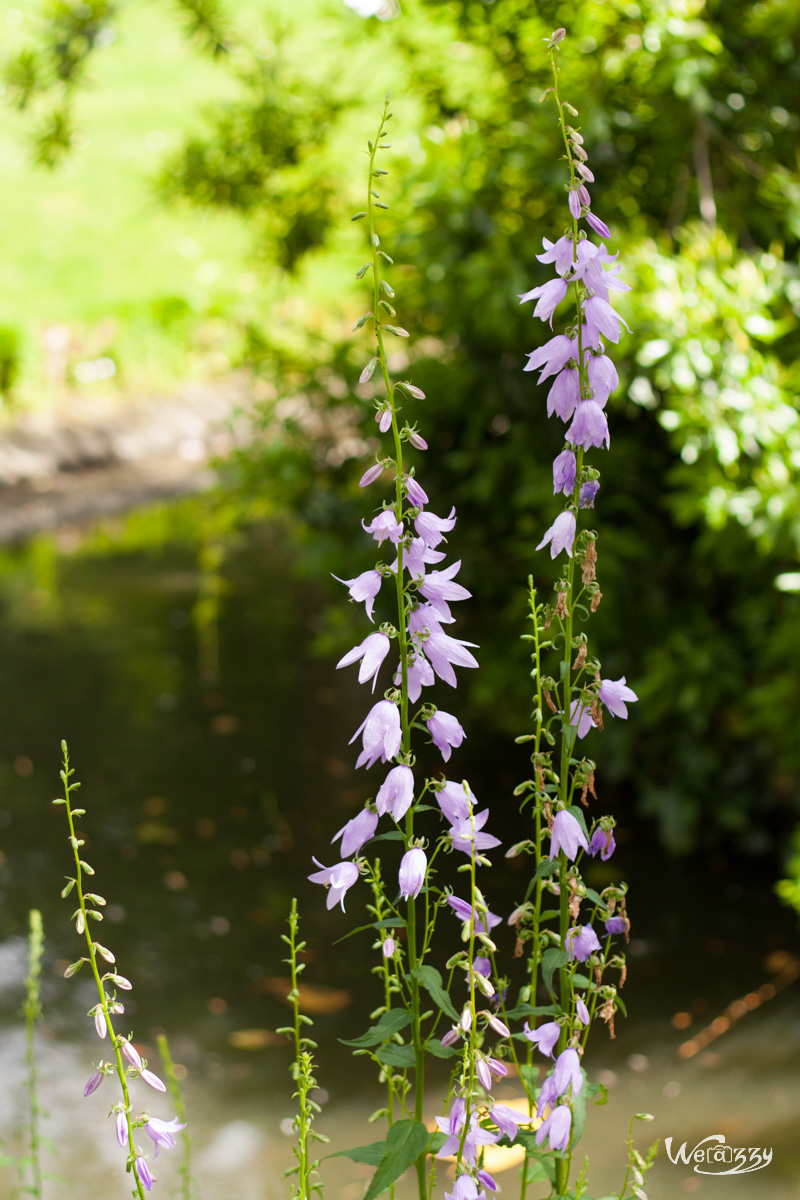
364	587
567	1072
545	1037
356	832
446	732
565	394
564	471
432	528
385	525
614	693
547	297
560	535
439	588
603	843
337	879
589	426
556	1128
552	356
143	1173
396	793
566	835
582	942
372	651
162	1132
413	866
382	734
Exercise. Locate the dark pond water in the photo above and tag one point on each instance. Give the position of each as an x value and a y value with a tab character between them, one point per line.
214	763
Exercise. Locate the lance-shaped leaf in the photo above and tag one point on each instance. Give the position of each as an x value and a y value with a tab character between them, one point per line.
388	1025
431	980
405	1141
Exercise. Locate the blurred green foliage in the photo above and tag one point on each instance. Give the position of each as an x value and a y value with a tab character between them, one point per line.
690	111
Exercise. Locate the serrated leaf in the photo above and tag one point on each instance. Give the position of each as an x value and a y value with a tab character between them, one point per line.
387	1026
405	1141
431	980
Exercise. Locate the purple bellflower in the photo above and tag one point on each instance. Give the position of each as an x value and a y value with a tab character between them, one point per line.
580	715
371	652
364	587
567	1072
396	793
455	800
553	356
582	942
337	878
560	535
602	842
545	1037
547	297
385	525
468	833
465	912
143	1173
382	734
583	1012
567	835
565	394
446	732
588	493
439	589
556	1128
432	528
617	925
564	468
614	693
161	1132
356	832
413	866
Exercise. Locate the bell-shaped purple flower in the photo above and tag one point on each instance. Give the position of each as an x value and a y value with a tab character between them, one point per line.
417	556
382	734
364	587
567	835
371	652
356	832
603	843
568	1072
432	528
617	925
580	715
482	966
487	1180
396	793
162	1132
385	525
467	834
465	912
337	879
614	693
582	1011
563	397
600	319
413	866
564	469
548	297
455	799
465	1189
420	674
556	1128
589	426
603	377
560	535
574	203
582	942
443	652
439	588
559	253
587	494
446	732
552	356
506	1119
545	1037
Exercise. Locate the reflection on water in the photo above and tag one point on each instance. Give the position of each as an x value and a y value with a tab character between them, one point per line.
211	773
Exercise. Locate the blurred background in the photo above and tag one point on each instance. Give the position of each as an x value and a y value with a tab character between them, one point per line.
181	435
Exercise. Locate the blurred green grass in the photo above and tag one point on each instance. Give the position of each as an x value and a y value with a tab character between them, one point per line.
90	244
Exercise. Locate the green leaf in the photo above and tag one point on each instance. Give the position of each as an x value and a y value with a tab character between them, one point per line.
431	980
537	1171
389	923
578	1114
388	1025
371	1154
592	895
405	1142
392	1055
551	960
435	1047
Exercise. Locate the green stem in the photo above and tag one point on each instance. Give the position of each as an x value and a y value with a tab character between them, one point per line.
33	1010
180	1111
402	637
76	844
